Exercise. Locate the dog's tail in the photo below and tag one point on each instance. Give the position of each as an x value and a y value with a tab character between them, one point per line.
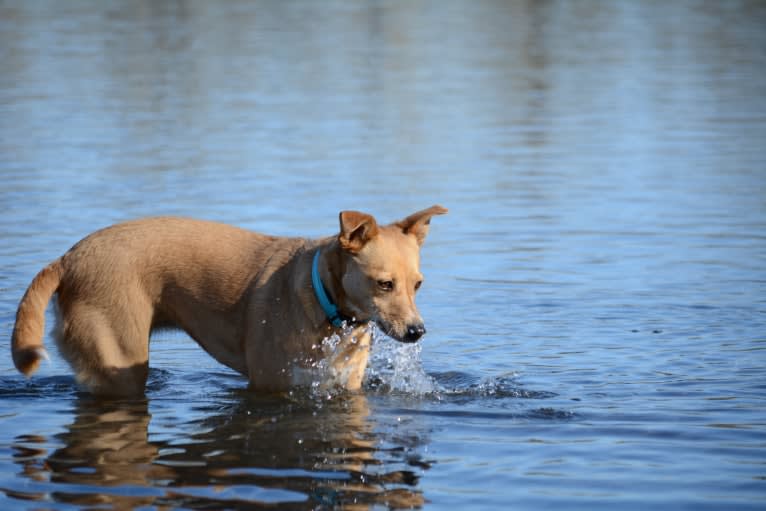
27	339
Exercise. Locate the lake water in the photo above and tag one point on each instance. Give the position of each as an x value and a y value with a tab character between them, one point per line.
595	299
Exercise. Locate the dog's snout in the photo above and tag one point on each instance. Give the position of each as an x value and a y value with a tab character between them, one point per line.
415	332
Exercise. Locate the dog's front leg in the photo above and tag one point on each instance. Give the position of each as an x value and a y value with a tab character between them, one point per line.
347	360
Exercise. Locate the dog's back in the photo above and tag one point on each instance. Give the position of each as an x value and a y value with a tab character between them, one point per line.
119	283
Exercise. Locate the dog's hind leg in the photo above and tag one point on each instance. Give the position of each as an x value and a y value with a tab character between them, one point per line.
108	348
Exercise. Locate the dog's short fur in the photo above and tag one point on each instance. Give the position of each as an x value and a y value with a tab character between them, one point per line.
246	298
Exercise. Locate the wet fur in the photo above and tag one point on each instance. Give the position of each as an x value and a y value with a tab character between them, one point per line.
245	297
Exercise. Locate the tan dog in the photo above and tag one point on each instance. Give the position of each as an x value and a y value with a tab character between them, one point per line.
246	298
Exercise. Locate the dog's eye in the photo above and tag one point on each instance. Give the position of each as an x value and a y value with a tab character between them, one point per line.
386	285
418	284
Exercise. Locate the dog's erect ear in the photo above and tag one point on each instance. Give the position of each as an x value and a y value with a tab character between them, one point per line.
356	229
417	223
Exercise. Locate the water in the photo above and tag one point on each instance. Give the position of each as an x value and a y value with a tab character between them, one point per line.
595	299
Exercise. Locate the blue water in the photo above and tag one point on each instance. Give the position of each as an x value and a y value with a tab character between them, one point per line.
595	299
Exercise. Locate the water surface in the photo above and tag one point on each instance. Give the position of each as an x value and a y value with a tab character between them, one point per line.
595	299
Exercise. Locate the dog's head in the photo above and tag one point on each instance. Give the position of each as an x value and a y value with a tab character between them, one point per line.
382	272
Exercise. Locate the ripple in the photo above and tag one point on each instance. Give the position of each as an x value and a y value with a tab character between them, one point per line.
45	387
457	384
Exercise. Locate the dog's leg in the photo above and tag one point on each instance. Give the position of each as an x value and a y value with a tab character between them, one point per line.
107	348
348	360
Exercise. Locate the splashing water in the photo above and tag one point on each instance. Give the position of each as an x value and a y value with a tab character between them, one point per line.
341	355
396	367
393	367
320	373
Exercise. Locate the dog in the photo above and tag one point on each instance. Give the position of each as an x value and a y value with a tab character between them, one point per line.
262	305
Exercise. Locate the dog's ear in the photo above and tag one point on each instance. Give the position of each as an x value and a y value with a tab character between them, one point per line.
356	229
417	223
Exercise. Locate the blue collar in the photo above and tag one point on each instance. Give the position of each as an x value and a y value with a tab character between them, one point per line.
329	308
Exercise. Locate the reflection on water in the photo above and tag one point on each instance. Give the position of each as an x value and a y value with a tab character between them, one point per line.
224	447
251	450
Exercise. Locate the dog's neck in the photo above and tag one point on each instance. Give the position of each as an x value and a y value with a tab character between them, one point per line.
328	306
327	285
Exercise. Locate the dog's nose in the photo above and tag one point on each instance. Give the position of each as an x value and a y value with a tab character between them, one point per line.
415	332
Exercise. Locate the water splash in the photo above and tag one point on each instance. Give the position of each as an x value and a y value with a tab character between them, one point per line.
396	367
334	363
321	372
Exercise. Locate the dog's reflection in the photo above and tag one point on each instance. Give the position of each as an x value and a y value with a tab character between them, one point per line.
255	451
